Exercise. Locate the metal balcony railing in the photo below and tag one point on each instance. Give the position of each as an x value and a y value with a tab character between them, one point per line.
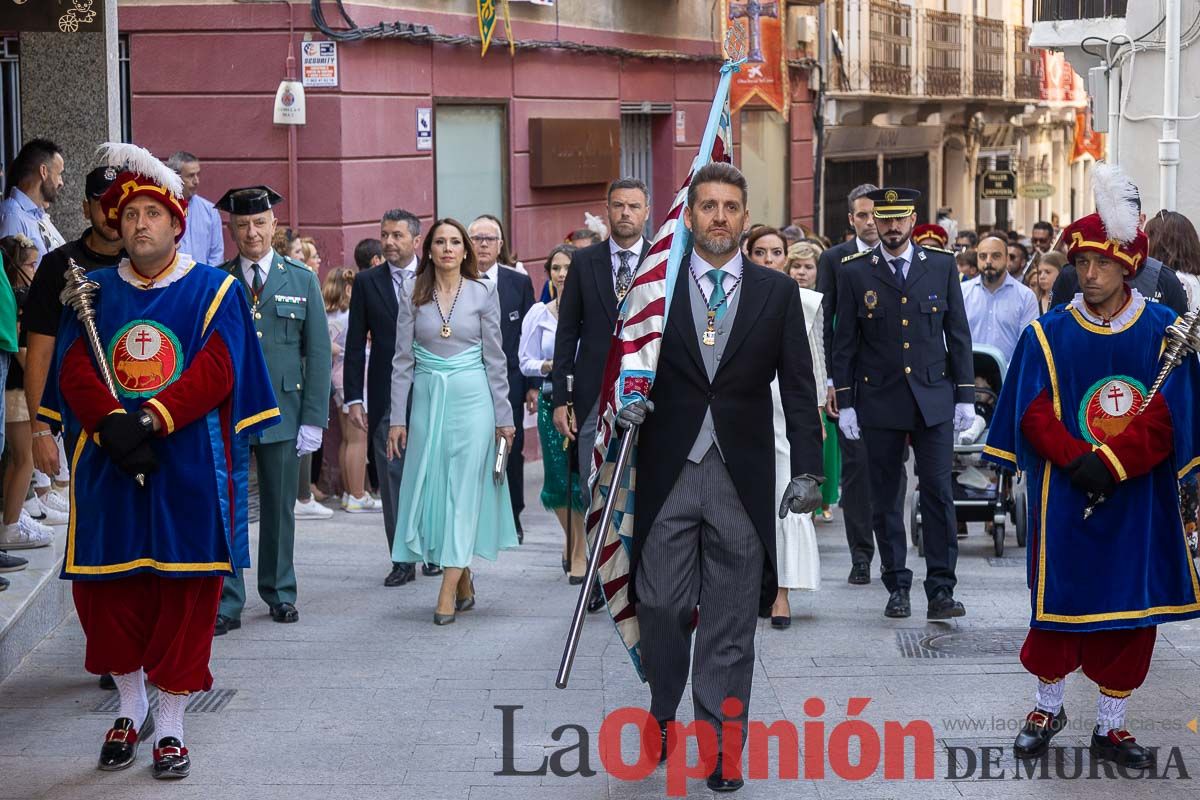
989	57
1027	67
1055	10
891	48
943	53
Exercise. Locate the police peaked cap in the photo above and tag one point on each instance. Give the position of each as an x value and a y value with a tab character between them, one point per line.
891	203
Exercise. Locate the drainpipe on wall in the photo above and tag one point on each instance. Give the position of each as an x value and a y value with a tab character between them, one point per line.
1168	145
292	146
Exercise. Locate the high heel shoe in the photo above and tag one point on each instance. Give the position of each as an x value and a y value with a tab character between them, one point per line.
566	567
466	603
575	580
443	619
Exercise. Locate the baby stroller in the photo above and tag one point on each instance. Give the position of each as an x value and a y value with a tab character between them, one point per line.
982	493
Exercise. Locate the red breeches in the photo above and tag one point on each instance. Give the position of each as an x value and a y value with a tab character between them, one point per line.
1116	660
163	625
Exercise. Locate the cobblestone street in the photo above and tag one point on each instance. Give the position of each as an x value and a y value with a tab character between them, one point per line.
365	698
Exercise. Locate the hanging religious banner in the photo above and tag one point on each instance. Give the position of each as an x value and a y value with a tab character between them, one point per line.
488	19
1088	143
765	73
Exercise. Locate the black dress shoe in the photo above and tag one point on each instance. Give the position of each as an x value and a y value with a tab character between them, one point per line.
171	757
897	605
1121	747
781	623
285	612
944	606
520	534
575	580
107	683
1034	737
860	574
719	783
10	563
400	575
120	745
430	570
225	625
662	732
597	600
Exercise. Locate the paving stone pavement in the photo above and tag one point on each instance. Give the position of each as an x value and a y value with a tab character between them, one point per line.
365	698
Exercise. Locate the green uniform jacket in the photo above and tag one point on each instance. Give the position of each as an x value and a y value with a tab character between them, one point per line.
290	320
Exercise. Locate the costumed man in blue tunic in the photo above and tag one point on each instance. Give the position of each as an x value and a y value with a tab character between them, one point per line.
148	561
1077	416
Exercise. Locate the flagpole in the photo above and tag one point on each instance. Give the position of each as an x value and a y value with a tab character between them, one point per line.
593	568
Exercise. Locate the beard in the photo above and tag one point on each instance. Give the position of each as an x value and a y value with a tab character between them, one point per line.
993	274
717	245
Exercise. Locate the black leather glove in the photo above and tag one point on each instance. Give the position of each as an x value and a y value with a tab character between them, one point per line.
1090	474
139	461
634	413
121	434
802	496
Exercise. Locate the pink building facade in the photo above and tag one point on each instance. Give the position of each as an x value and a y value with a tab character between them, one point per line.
203	78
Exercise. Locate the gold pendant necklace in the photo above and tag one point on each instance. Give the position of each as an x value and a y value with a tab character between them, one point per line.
445	333
710	333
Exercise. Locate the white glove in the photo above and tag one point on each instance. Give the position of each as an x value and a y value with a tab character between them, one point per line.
964	415
308	439
848	424
973	432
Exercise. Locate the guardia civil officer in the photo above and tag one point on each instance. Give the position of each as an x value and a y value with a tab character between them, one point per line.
289	317
902	369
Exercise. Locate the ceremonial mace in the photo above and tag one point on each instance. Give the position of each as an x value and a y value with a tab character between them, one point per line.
1183	339
80	294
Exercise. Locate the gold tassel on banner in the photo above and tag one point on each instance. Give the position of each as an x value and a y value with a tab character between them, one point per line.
512	37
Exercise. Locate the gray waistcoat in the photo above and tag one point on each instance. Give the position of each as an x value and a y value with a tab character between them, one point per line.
711	356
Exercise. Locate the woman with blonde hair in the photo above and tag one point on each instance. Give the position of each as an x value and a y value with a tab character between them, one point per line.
450	353
352	452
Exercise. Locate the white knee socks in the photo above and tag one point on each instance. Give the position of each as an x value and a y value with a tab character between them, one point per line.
132	689
168	718
1110	713
1049	696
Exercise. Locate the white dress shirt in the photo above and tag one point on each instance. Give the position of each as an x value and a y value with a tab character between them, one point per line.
699	268
402	274
263	265
907	255
614	249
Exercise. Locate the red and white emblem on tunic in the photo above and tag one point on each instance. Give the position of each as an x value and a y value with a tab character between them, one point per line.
1109	406
145	357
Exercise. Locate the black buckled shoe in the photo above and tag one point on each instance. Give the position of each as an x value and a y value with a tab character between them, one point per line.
120	745
898	606
285	612
860	574
430	570
107	683
1040	727
720	783
225	624
1120	746
171	759
944	606
400	575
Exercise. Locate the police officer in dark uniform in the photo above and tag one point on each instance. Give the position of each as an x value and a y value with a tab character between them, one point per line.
902	369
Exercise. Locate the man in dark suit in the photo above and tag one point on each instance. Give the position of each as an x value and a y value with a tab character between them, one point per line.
856	482
587	313
516	298
902	369
705	527
373	308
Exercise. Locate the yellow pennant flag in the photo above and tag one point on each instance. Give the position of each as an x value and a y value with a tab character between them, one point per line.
487	23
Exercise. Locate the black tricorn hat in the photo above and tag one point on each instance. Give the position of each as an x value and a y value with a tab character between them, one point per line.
250	200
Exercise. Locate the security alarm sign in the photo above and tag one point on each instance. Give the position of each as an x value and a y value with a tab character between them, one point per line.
319	65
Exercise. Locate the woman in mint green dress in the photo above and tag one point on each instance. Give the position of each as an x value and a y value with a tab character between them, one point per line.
449	352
